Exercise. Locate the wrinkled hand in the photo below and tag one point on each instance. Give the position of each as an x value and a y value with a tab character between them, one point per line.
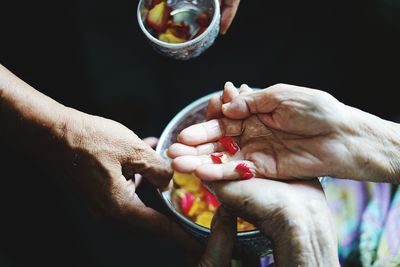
228	12
101	158
284	132
294	216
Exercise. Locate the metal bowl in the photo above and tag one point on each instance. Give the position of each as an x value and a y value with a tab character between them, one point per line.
249	244
191	48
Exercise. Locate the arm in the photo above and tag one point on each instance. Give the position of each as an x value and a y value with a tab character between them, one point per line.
29	119
375	146
97	156
288	132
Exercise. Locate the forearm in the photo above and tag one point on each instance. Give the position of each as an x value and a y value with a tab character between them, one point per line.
29	120
375	146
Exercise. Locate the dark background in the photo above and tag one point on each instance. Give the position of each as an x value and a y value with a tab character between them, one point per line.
91	55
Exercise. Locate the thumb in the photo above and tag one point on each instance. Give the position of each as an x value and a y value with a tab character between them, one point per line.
221	241
262	101
145	161
237	108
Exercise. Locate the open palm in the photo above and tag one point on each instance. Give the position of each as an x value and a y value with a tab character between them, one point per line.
282	134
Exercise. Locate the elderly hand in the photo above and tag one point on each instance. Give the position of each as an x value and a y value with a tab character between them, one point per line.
288	132
101	157
294	215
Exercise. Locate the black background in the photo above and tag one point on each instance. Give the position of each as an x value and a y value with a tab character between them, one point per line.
91	55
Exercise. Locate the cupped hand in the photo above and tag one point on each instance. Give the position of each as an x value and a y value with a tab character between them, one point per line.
283	131
293	214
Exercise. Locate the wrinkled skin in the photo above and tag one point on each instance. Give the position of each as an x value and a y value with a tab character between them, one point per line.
103	160
294	215
290	132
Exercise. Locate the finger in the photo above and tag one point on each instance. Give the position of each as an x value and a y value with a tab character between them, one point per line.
210	131
221	241
245	89
226	171
145	161
230	92
249	199
264	101
214	108
178	149
202	133
238	108
188	164
229	9
138	179
151	141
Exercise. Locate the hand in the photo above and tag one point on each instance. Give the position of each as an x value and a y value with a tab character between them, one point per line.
228	12
101	157
290	132
293	215
106	156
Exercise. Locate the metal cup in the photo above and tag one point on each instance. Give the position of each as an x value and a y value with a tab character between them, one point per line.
191	48
249	244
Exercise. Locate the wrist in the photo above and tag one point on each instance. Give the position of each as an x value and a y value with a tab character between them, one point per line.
31	120
50	128
375	147
70	131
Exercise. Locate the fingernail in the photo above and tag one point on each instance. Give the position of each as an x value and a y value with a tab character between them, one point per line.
229	84
244	86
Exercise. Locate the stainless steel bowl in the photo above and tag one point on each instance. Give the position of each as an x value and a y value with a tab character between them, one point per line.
194	47
249	244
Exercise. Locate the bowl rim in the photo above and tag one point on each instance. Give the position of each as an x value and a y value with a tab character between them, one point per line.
162	139
178	45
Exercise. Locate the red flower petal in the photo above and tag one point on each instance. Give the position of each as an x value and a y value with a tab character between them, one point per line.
229	144
216	158
211	200
244	171
186	202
